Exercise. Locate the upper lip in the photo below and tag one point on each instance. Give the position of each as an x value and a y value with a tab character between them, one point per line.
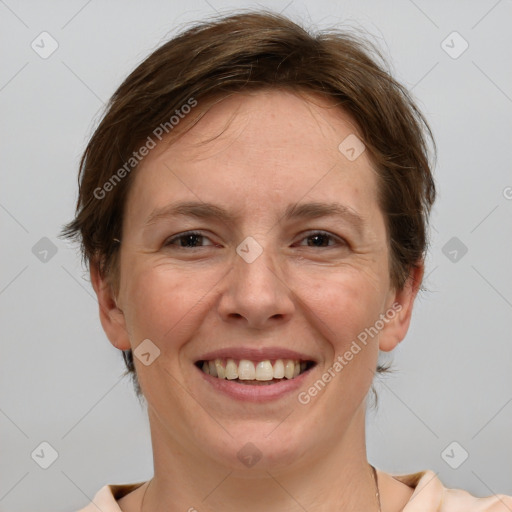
255	354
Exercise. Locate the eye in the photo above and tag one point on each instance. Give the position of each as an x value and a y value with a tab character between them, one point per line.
189	239
322	239
195	240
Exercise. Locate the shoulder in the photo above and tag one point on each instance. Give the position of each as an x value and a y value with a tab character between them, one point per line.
430	495
106	498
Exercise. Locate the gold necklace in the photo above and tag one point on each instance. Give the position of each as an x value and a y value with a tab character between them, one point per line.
144	496
377	494
374	471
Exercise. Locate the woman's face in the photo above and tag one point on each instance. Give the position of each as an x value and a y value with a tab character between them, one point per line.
288	260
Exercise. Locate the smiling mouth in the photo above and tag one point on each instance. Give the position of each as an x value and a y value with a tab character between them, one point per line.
256	373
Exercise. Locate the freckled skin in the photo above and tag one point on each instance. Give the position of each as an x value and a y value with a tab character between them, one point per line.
277	149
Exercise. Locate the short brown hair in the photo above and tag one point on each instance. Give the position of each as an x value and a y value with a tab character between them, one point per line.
249	51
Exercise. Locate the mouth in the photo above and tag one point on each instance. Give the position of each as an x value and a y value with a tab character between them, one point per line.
254	372
250	374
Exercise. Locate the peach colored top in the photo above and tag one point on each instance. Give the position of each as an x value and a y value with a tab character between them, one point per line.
429	495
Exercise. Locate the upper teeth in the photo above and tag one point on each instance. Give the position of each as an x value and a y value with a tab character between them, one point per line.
249	370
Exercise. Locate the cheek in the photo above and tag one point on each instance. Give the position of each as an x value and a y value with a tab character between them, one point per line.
344	309
343	305
162	303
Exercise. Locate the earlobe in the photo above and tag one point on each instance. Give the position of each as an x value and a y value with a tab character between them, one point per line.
111	315
400	310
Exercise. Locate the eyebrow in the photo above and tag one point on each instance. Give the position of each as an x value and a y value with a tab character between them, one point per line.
200	210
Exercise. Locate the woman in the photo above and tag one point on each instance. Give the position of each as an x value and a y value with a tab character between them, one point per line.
253	208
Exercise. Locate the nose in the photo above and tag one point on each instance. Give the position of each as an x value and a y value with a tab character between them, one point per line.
257	294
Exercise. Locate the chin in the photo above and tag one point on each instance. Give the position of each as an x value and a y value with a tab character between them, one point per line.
257	446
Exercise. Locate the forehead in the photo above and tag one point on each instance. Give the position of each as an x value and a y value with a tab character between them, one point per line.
258	149
278	119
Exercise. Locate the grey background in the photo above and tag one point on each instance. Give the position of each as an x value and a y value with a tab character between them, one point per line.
60	377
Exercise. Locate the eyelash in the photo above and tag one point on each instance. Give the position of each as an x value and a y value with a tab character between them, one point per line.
169	242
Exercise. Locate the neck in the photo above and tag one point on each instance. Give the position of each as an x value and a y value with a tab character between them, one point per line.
338	478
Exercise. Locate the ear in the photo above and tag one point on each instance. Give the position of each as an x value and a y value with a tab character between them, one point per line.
399	310
111	316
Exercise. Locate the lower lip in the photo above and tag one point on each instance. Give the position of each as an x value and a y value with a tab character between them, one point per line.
250	393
